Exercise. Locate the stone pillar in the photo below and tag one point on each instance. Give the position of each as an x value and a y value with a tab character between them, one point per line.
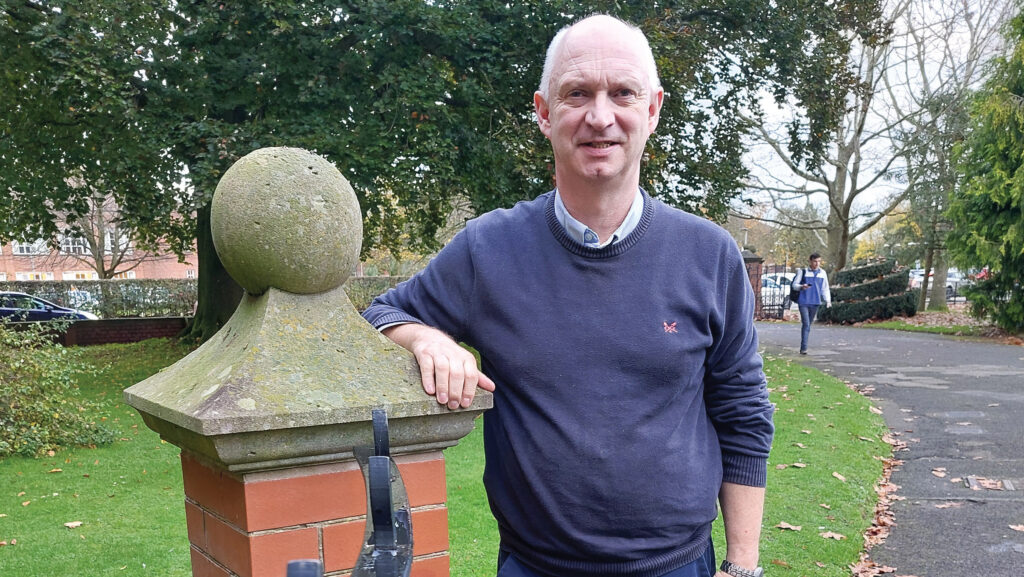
269	411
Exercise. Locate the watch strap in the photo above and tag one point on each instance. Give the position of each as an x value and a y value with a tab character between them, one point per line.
736	571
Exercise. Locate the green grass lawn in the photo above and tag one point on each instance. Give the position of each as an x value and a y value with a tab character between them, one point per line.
129	498
954	330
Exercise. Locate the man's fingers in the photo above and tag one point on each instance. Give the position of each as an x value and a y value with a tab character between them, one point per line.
426	364
485	383
441	372
456	383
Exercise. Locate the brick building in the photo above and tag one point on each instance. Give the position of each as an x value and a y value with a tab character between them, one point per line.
37	261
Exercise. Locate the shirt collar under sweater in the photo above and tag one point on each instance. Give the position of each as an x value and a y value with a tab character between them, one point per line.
625	241
583	234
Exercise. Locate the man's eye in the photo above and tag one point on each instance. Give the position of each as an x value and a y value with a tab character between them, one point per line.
627	93
575	94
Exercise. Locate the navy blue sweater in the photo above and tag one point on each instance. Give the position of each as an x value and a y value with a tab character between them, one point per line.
628	381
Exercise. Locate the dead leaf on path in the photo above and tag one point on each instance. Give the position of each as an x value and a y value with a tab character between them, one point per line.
787	527
1017	528
939	472
993	404
838	476
956	480
831	535
950	505
73	524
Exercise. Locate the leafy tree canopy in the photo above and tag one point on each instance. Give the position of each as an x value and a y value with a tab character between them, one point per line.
987	212
418	103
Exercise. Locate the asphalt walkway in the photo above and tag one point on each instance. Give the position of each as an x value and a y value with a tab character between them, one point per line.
958	404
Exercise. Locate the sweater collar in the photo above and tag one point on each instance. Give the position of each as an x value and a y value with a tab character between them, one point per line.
613	249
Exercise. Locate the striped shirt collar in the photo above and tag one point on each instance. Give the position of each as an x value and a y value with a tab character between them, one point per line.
583	235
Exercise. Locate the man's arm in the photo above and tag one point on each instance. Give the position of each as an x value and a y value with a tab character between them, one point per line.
447	370
742	512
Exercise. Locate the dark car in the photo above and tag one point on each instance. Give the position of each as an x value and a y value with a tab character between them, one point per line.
22	307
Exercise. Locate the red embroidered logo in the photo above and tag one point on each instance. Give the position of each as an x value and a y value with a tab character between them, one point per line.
670	328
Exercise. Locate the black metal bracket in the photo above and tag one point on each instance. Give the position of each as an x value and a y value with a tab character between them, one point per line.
387	549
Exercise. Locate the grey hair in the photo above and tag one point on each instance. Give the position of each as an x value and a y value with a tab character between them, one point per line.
556	44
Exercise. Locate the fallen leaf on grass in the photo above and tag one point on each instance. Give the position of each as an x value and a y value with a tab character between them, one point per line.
2	515
831	535
799	465
800	445
73	524
819	564
838	476
787	527
825	506
21	494
1017	528
805	431
780	563
55	471
25	503
781	467
875	410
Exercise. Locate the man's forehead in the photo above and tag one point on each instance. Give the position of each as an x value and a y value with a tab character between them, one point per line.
580	55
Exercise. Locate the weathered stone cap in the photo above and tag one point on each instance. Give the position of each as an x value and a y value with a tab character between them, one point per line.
285	361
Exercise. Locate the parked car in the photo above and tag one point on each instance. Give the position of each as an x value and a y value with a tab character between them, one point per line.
774	297
781	278
17	306
955	281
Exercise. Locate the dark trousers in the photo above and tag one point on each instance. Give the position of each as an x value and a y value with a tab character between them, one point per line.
703	566
807	314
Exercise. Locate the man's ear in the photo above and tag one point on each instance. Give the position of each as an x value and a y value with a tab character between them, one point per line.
654	110
543	112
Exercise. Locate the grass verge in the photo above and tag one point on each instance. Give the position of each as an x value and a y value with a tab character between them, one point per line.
129	495
954	330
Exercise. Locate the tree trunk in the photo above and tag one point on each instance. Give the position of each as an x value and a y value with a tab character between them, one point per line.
937	302
928	260
219	294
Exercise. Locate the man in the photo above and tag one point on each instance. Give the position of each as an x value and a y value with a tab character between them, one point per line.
616	334
812	282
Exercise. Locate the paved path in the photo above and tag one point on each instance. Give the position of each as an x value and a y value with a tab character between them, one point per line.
959	405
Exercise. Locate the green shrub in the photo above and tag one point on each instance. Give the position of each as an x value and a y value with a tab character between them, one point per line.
889	284
879	308
40	406
116	298
363	289
859	274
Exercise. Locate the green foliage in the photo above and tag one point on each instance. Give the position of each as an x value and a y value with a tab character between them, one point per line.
904	304
418	103
863	272
362	290
987	212
40	407
892	283
116	298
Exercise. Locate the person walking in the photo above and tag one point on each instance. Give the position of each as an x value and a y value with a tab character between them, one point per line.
812	282
629	397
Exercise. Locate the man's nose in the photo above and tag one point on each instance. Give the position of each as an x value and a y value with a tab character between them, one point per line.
600	115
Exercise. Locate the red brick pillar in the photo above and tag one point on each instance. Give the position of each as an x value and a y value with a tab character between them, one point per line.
251	525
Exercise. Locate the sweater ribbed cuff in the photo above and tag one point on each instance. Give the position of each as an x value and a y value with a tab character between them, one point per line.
744	470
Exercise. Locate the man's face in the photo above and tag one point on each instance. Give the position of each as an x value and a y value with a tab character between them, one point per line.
600	109
815	263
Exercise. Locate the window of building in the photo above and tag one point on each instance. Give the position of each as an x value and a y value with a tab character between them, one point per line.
190	273
3	276
34	275
74	245
30	248
124	275
122	242
80	275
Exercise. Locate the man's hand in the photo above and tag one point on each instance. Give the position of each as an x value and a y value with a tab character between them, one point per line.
447	370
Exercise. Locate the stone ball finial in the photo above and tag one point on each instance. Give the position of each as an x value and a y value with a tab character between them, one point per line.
286	218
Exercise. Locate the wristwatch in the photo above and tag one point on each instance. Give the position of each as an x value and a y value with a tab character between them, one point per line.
737	571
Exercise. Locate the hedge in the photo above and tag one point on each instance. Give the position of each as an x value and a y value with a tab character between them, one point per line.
889	284
879	308
859	274
116	298
363	289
